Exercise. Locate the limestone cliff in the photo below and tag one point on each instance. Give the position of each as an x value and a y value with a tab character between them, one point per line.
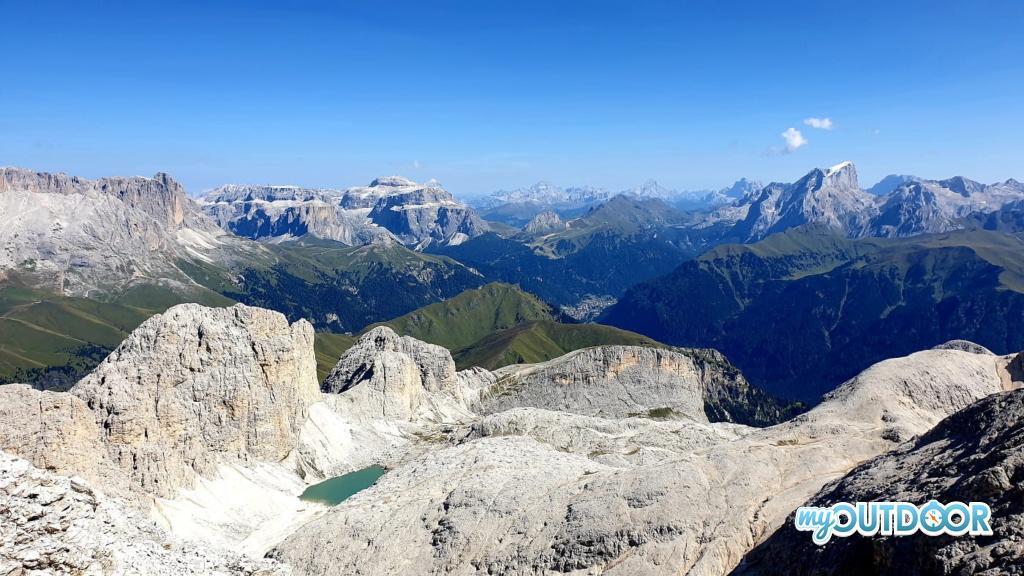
195	385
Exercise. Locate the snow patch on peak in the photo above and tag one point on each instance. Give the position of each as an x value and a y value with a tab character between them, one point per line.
392	181
838	167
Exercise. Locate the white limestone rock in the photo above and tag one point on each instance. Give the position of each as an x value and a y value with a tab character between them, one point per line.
391	377
391	207
195	386
52	524
94	237
589	495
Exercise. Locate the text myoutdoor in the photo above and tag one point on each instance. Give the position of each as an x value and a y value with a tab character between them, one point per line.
893	519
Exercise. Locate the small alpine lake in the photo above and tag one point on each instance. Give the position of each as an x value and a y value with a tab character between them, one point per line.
335	490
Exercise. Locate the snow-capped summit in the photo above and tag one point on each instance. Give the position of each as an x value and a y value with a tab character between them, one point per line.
651	189
831	198
838	167
392	182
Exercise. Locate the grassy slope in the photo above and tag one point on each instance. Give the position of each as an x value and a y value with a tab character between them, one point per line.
492	326
460	321
341	289
802	311
329	347
542	340
40	331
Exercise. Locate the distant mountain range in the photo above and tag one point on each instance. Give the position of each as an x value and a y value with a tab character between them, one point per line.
833	198
519	206
102	254
390	208
802	311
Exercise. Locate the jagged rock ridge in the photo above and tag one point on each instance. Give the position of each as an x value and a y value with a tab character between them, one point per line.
82	237
390	207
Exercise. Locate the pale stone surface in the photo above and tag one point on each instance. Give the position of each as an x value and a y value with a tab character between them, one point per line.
386	376
587	495
196	386
974	455
215	418
51	524
391	207
55	431
92	237
609	381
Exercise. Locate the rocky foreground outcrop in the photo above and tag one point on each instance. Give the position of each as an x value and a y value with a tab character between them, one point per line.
385	376
194	386
51	524
622	381
976	454
530	491
188	390
209	423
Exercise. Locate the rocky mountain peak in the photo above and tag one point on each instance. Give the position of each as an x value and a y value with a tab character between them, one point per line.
380	350
392	182
161	197
742	188
195	386
890	183
384	375
543	223
962	186
652	189
844	175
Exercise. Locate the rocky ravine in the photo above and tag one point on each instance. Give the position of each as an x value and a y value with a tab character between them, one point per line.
206	424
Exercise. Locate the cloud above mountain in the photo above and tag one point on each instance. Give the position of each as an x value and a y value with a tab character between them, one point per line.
794	139
819	123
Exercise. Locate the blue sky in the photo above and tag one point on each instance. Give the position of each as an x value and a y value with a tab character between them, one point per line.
485	95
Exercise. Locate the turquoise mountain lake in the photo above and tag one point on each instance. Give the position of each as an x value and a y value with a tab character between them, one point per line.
335	490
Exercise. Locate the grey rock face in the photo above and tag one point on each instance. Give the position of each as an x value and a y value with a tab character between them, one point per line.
897	206
51	524
742	188
418	215
279	212
55	431
533	491
965	346
91	237
622	381
831	198
891	182
427	215
434	367
400	378
196	385
974	455
929	206
544	223
160	196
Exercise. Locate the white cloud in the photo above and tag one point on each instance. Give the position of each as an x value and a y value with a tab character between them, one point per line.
416	164
794	139
819	123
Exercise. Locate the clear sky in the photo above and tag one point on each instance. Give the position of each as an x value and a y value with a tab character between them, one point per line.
484	95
